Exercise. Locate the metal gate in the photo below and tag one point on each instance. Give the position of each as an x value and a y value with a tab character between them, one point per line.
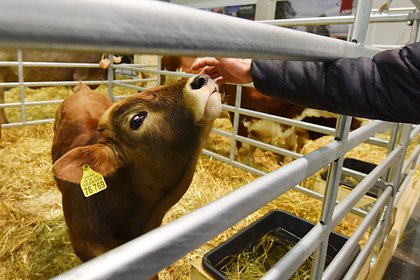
137	27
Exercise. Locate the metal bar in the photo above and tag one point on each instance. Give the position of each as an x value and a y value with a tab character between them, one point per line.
330	197
396	170
303	249
220	3
403	186
355	210
27	123
355	174
411	161
110	77
398	9
414	31
387	47
157	71
361	21
135	65
235	123
21	87
377	142
49	64
337	20
283	120
159	68
168	243
364	253
262	145
40	84
267	147
30	103
414	132
115	83
416	3
333	268
134	80
87	26
234	163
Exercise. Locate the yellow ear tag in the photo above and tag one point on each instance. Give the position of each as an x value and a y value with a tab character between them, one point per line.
92	181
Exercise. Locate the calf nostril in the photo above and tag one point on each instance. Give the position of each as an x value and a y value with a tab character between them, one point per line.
198	82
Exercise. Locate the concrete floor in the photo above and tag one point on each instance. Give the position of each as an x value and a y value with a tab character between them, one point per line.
405	264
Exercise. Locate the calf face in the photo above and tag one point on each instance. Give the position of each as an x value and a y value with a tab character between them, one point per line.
145	146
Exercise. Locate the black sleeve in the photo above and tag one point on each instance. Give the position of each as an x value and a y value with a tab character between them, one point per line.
386	87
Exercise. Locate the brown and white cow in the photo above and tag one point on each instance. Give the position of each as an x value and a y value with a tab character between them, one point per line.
145	146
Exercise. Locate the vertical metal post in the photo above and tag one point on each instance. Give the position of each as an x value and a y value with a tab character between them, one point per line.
111	77
21	86
414	30
400	136
330	196
360	25
235	121
392	144
265	9
159	67
361	21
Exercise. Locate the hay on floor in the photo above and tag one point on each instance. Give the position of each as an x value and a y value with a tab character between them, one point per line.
33	239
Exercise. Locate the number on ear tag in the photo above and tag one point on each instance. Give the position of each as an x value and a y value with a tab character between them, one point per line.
92	181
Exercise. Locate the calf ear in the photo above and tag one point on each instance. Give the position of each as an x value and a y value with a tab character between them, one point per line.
100	157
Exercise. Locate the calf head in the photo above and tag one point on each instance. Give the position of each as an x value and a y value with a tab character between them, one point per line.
146	148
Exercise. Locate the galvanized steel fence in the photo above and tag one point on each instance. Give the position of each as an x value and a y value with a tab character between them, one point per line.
138	27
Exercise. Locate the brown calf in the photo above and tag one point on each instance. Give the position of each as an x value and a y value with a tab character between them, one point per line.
146	147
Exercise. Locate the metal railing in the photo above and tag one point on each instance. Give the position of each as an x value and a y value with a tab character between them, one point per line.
89	25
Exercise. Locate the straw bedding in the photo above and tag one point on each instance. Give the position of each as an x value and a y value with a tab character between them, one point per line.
33	239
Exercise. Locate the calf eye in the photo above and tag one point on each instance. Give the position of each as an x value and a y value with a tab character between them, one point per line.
137	120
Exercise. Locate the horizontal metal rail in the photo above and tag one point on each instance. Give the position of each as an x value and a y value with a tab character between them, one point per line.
283	120
258	144
47	84
122	84
396	10
16	124
416	3
336	20
49	64
30	103
234	163
185	31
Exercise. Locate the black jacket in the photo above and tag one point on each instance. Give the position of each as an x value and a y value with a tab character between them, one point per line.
386	87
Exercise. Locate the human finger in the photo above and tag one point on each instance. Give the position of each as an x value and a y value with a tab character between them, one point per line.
212	72
219	80
204	61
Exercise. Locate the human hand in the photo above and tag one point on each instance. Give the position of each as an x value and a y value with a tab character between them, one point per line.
225	70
